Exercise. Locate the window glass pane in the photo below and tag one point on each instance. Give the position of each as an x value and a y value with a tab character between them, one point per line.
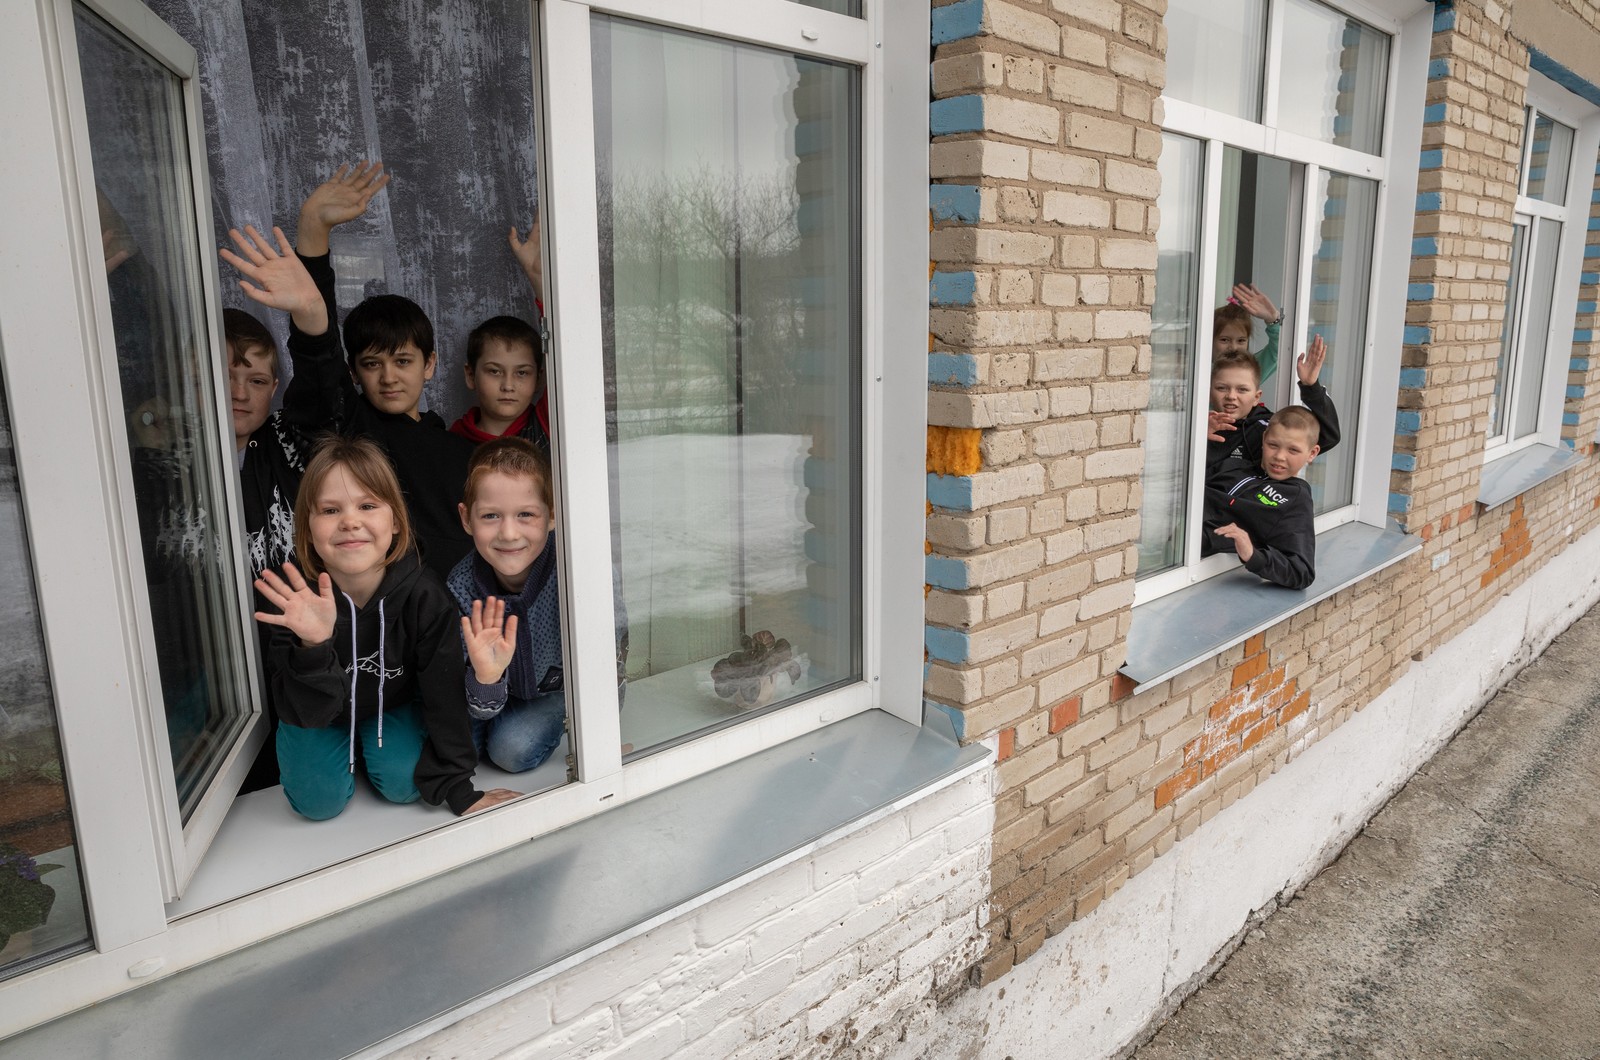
1549	160
1346	212
1258	241
41	894
1500	404
138	138
1335	70
729	235
1220	61
1535	335
1168	438
838	7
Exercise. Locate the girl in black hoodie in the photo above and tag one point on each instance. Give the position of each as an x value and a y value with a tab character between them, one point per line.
375	663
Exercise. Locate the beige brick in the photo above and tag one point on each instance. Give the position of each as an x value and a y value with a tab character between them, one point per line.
1077	211
986	644
1032	28
1128	179
1089	133
1026	121
1083	88
953	609
1053	167
1106	599
978	158
1052	654
1058	584
960	74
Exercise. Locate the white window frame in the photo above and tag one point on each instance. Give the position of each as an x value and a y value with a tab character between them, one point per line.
51	306
1395	175
1546	97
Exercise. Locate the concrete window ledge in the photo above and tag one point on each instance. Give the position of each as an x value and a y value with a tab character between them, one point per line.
414	955
1187	627
1508	477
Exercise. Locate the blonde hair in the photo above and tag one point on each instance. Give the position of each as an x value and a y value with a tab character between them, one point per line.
515	457
368	466
1297	418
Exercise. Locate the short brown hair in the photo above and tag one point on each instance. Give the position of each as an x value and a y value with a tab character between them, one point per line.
368	466
508	456
1297	418
1232	313
244	335
509	330
1237	360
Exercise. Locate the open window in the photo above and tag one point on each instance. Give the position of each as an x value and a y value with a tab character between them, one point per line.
1272	174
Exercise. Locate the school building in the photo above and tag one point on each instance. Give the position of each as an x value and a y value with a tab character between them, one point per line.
876	335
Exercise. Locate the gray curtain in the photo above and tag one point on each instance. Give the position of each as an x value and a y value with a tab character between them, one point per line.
442	93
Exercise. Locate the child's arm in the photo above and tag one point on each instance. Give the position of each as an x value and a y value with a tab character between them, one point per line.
491	639
444	771
1315	396
342	197
1255	302
528	255
308	683
278	279
1286	557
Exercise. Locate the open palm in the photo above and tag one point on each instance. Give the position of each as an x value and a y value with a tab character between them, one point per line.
275	278
307	614
491	639
345	195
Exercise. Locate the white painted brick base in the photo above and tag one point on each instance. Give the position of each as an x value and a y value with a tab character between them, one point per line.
840	952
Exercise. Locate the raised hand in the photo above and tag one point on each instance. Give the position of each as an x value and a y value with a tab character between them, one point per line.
491	639
1254	301
276	279
1241	540
527	253
307	614
342	197
1216	423
1309	364
493	797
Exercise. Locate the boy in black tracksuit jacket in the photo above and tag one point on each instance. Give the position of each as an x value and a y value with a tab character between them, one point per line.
1235	436
1264	513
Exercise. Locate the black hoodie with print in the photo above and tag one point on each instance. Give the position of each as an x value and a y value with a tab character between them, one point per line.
430	462
407	641
1278	516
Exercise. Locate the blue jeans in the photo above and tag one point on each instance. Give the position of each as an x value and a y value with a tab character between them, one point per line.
522	735
314	764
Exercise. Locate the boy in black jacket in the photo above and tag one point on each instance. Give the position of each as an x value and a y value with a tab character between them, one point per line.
1238	419
1264	513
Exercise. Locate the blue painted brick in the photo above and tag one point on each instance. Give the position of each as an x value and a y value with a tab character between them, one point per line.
1579	364
1434	112
950	491
948	645
1590	278
1413	378
1424	247
1429	160
1575	392
957	21
945	573
1416	335
1569	419
1583	335
952	288
1407	421
1419	292
1403	462
954	202
1444	17
952	369
1592	251
1569	443
957	114
1585	308
1429	200
1438	68
1399	503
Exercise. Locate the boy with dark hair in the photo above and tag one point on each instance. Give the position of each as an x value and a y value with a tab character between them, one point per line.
1264	513
388	341
1237	419
505	368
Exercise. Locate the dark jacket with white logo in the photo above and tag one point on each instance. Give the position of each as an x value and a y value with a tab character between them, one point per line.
1277	516
403	647
1243	444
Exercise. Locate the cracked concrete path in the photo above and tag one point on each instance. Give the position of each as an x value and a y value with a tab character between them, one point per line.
1464	921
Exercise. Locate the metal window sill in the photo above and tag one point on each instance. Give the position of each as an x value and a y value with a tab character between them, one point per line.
359	978
1185	628
1505	478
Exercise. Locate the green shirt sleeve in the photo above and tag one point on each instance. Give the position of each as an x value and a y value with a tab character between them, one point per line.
1268	357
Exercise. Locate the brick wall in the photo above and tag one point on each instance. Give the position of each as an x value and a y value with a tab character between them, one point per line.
1045	133
844	952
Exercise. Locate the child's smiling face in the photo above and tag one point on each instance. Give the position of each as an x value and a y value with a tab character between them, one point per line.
509	523
1234	390
252	380
392	381
1232	337
1285	451
351	528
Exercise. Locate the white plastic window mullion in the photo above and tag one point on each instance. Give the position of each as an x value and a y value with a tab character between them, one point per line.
778	24
1272	69
571	232
1211	200
1290	344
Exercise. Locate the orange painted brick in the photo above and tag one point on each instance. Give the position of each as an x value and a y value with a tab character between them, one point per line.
1227	704
1221	757
954	450
1176	785
1122	686
1243	721
1301	704
1256	644
1465	512
1248	670
1257	734
1008	744
1065	713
